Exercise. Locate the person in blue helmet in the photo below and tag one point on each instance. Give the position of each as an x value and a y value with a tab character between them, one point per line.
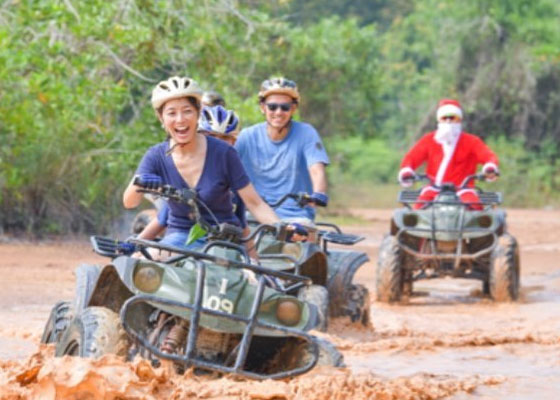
189	159
284	156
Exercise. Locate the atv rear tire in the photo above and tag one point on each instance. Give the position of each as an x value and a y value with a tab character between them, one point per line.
94	332
61	316
389	273
357	306
318	296
504	271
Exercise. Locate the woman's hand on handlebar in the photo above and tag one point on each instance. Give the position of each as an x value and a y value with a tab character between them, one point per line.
148	181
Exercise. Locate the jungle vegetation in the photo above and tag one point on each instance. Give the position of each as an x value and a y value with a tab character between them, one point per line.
75	80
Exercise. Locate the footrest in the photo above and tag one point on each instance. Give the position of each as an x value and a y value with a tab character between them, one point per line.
341	238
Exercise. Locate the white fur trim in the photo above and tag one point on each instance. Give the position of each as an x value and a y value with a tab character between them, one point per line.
429	189
489	165
448	151
449	109
404	171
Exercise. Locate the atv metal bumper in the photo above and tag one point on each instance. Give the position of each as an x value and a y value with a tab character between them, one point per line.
190	359
458	255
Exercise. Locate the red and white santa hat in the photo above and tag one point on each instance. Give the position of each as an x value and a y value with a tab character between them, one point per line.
449	107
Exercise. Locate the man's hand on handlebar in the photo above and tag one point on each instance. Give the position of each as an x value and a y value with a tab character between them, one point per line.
319	199
126	248
296	232
490	172
407	178
148	181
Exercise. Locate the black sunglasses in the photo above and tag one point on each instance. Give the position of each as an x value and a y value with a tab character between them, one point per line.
283	106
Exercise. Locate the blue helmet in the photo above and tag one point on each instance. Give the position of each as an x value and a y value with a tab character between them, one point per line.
218	120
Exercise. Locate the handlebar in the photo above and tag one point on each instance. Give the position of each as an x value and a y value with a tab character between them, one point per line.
463	185
220	231
302	199
190	197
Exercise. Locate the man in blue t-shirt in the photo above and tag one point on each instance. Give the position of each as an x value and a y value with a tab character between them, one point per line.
283	156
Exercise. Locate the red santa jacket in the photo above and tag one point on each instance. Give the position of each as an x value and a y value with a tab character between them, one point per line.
469	151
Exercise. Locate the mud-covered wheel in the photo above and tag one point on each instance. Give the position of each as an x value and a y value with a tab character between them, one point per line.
61	316
357	306
297	354
503	279
389	273
94	332
329	356
318	296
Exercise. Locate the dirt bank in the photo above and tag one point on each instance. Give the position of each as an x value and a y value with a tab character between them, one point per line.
448	341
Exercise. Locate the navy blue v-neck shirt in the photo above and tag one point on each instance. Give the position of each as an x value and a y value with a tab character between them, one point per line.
222	173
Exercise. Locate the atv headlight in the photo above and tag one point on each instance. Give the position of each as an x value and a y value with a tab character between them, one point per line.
288	311
410	220
485	221
147	277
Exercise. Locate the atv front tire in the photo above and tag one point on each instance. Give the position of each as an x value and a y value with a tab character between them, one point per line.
389	273
94	332
329	356
503	279
61	316
318	296
296	354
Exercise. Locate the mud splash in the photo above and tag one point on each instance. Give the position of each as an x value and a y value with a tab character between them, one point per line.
46	377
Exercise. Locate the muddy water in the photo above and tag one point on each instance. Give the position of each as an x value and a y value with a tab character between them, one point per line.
447	341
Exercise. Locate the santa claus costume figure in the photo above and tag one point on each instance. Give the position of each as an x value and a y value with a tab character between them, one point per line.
451	155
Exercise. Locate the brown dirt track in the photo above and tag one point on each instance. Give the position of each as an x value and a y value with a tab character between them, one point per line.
446	342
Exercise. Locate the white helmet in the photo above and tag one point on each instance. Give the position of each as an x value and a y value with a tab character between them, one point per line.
175	88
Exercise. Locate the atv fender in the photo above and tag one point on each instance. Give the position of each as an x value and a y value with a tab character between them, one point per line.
114	284
315	266
343	264
86	278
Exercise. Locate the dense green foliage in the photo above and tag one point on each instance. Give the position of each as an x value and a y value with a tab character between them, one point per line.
75	80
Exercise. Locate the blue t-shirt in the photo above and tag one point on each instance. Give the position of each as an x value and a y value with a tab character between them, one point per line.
277	168
222	173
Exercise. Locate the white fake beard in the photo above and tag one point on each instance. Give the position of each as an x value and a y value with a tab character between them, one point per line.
448	132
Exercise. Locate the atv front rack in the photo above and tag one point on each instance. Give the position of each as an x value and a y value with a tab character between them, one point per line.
190	359
336	236
458	255
341	238
408	197
109	247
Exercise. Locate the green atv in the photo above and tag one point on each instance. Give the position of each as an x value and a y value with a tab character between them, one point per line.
196	308
446	237
331	270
